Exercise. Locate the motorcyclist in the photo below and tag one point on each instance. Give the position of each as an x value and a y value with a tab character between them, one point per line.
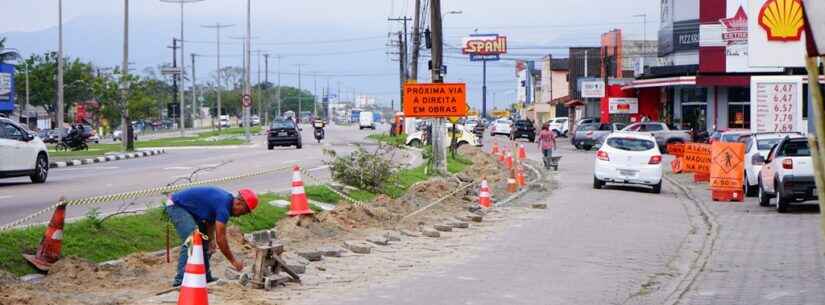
319	125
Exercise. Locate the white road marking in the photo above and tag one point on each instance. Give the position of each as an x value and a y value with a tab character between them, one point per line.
319	168
290	162
177	168
209	165
6	197
85	168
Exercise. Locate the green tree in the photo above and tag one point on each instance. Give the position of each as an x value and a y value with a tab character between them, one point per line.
78	80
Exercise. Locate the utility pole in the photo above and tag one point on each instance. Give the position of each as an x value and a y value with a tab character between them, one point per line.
279	86
60	120
258	89
315	94
28	96
402	77
416	41
266	80
194	94
439	149
182	63
126	127
300	94
177	73
247	63
218	28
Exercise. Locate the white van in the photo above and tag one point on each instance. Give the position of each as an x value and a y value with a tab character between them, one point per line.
366	120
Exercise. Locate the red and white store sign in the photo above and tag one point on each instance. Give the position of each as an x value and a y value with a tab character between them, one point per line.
623	105
776	104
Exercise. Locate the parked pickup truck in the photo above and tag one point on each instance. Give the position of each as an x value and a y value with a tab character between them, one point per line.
663	134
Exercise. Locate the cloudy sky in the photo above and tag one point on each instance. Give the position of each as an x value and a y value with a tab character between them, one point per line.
343	42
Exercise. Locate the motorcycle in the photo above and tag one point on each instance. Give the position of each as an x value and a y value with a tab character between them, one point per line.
319	130
75	140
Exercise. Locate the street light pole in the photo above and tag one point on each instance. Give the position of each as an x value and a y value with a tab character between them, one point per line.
182	64
218	28
247	63
279	86
126	126
60	120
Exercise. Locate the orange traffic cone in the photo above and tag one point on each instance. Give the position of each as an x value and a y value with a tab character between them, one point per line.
501	156
495	148
484	199
520	176
512	186
193	288
522	153
299	205
49	250
509	161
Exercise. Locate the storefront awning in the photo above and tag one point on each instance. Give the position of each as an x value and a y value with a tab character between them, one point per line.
662	82
573	103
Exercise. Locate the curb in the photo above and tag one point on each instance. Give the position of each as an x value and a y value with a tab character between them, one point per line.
108	158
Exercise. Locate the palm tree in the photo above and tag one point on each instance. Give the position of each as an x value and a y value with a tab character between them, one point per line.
7	54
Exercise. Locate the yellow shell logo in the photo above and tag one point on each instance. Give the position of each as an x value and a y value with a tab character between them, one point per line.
782	19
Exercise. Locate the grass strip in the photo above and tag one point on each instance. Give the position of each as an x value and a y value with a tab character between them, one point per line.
118	236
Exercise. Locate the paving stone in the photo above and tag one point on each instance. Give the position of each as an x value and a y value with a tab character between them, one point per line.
358	247
475	218
458	224
430	233
392	236
380	240
231	275
540	206
331	251
298	268
409	233
443	227
32	278
312	256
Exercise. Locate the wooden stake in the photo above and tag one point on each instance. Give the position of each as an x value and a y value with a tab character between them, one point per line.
817	146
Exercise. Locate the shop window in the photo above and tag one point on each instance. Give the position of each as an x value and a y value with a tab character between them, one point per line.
739	116
739	95
694	95
694	116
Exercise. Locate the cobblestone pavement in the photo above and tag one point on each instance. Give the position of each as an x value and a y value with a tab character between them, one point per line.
589	247
760	257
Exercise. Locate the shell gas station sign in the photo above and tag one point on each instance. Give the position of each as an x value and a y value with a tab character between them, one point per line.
439	100
777	27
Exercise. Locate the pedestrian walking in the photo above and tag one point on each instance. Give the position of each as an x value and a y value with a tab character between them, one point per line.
547	143
207	209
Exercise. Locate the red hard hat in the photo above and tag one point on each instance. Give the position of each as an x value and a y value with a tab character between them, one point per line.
250	197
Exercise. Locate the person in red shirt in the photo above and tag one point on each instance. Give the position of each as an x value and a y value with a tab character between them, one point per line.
547	142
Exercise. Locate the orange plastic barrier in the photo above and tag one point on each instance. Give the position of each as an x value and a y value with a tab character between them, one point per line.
697	159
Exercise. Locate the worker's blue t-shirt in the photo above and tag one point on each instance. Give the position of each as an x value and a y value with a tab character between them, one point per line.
206	204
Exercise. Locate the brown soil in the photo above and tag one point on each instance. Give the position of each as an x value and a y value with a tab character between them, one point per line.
140	276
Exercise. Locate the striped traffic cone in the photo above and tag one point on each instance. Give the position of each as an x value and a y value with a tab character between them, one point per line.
484	197
193	288
522	153
520	176
501	156
495	148
50	246
512	185
299	204
509	161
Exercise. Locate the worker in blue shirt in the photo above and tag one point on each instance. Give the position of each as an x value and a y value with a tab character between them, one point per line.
207	209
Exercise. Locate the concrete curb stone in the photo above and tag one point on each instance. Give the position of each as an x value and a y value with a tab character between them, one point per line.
103	159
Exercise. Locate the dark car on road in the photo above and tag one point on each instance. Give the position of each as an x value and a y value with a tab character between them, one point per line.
589	135
283	132
523	129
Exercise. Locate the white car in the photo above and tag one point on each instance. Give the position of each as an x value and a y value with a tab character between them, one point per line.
629	158
22	153
464	137
501	127
255	120
787	174
758	144
560	126
224	121
366	120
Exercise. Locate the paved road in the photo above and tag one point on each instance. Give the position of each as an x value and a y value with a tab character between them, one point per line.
761	257
591	247
18	197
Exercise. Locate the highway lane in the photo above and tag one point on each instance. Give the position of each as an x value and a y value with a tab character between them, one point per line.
18	197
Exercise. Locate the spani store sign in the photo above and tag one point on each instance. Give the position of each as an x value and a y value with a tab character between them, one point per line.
485	46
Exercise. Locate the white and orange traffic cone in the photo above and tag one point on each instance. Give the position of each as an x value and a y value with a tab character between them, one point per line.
520	176
509	161
495	148
193	288
299	204
50	246
522	153
484	197
501	156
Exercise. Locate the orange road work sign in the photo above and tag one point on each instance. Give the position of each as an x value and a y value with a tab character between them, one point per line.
435	100
696	158
727	166
676	150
